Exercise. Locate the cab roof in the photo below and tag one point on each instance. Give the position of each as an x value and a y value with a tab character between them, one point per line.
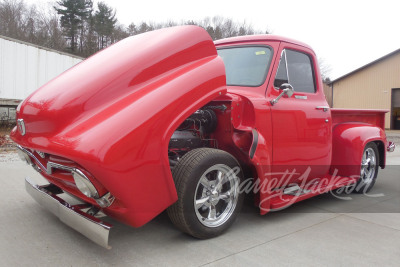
259	38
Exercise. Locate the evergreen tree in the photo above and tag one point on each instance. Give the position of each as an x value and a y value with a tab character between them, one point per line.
104	23
210	31
132	29
119	33
73	13
91	46
86	31
144	27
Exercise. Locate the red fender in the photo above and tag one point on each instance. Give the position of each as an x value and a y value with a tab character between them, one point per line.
243	118
348	142
114	114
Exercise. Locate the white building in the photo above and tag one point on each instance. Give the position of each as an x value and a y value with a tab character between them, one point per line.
24	67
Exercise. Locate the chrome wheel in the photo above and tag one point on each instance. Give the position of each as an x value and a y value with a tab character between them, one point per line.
368	166
209	200
216	195
369	169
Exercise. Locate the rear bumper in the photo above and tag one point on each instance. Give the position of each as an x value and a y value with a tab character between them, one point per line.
72	215
391	146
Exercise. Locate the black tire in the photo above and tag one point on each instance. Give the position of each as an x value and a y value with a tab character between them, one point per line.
369	169
195	184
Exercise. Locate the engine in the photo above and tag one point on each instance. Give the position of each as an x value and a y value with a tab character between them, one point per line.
193	133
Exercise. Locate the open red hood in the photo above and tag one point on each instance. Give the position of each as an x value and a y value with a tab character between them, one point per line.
114	113
126	71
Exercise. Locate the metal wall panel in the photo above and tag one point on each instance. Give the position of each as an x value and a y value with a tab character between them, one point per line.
328	94
369	88
25	67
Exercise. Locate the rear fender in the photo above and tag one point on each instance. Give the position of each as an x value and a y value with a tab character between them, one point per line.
348	141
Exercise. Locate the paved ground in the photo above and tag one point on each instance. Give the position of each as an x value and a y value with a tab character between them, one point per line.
321	231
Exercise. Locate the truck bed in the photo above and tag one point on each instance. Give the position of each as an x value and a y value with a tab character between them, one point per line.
370	116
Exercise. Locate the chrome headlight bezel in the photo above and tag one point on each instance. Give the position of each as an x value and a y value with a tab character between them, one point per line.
84	184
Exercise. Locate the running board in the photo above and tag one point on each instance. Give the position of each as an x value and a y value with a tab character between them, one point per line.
295	191
293	194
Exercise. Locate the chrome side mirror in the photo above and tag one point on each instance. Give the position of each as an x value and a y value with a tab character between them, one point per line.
286	89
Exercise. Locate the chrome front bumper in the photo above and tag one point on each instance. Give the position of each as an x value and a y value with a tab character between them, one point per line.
72	215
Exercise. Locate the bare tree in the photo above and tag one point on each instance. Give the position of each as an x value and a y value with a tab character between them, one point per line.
12	18
31	24
218	27
325	69
118	33
50	29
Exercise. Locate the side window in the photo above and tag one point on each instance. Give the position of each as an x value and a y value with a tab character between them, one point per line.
299	71
281	74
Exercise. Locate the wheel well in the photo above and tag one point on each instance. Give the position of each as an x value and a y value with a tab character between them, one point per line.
196	131
381	150
211	127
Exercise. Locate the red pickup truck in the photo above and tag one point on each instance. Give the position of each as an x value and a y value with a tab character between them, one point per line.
170	120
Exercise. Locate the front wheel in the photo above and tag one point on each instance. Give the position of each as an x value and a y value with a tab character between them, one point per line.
369	169
207	182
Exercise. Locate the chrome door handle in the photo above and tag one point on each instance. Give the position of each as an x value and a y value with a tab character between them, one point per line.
324	108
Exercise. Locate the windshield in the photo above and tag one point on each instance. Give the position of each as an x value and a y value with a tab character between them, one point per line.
245	66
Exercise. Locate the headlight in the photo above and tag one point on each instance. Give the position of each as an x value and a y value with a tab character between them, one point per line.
84	185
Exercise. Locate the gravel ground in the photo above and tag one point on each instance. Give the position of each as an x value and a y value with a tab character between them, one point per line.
393	138
10	156
8	152
322	231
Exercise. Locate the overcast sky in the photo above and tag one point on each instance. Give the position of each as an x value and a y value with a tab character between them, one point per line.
346	34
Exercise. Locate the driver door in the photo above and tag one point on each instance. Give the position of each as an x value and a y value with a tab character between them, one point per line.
301	127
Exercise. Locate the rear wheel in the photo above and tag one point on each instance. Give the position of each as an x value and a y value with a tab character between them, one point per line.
369	169
207	182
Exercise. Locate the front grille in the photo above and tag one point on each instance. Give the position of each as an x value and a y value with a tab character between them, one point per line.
59	170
